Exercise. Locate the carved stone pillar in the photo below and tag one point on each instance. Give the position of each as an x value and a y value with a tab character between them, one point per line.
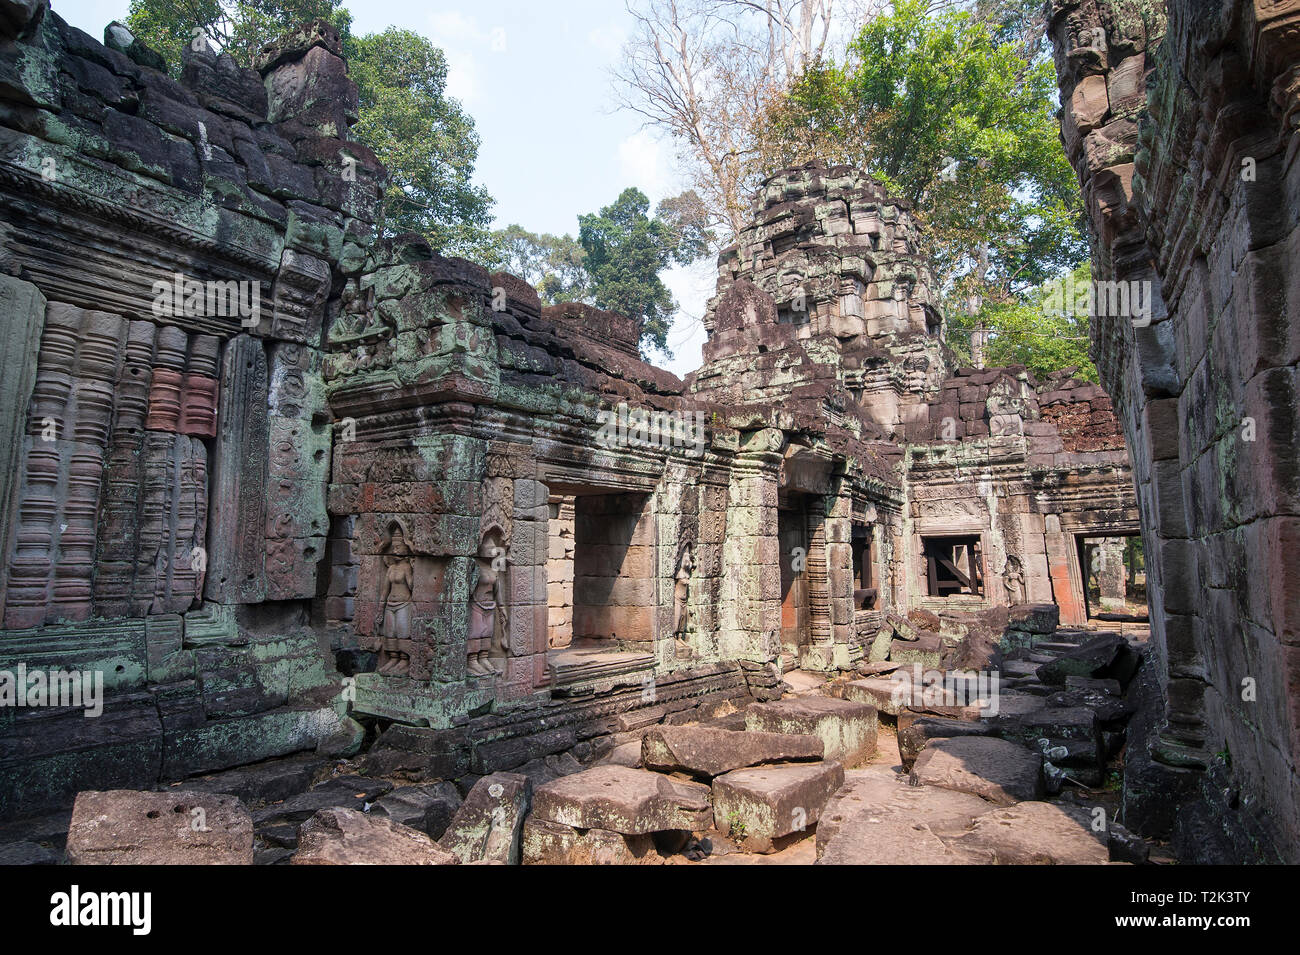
24	309
236	556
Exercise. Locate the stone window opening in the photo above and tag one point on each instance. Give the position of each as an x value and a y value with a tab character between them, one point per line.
953	566
866	592
789	315
613	594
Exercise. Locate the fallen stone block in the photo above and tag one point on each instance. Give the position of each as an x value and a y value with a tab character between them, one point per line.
706	752
552	843
880	692
345	792
902	628
620	799
973	641
487	826
419	753
1014	669
1034	618
926	650
914	733
1029	719
124	827
847	729
345	742
907	692
347	837
876	669
1108	687
1036	833
1089	659
1107	707
880	645
625	754
1125	846
999	771
429	809
761	805
27	853
275	779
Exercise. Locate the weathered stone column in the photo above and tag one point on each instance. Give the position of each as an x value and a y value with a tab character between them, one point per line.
24	309
529	546
1059	553
750	599
1111	573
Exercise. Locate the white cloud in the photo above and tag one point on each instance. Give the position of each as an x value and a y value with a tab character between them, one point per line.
462	75
454	25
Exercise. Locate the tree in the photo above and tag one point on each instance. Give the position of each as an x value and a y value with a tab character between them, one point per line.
551	264
625	249
239	28
956	120
423	137
1044	330
706	71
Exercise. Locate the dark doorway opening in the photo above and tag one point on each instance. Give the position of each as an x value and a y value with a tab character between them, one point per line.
792	540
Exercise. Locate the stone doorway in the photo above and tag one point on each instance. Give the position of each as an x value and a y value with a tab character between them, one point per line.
1113	574
792	540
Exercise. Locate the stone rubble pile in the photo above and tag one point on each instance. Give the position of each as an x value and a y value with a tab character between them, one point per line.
975	786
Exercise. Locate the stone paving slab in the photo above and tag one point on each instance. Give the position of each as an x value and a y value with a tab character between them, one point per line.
125	827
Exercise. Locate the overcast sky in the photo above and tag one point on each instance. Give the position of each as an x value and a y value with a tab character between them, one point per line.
534	75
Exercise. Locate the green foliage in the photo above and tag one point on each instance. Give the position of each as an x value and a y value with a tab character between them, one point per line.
423	137
615	261
239	28
957	113
551	264
625	249
1031	329
736	825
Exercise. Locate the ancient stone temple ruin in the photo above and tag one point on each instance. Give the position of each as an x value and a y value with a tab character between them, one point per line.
291	486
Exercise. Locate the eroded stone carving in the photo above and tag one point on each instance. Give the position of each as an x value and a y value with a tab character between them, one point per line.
396	603
489	614
681	594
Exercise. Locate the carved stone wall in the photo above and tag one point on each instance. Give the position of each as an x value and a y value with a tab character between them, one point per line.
170	252
1179	123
